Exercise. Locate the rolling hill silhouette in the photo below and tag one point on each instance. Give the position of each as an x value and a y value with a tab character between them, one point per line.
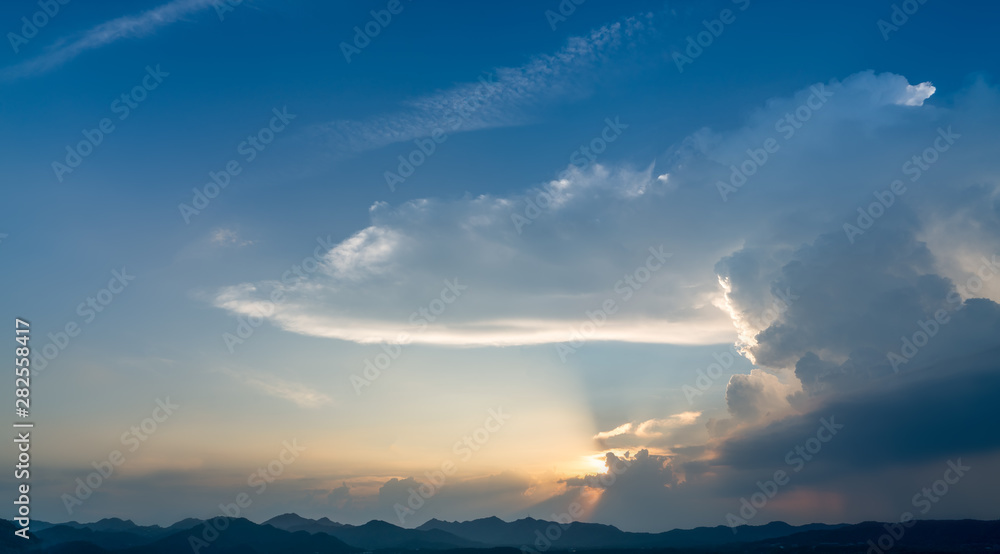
291	533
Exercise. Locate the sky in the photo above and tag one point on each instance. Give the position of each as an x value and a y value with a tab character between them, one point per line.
412	260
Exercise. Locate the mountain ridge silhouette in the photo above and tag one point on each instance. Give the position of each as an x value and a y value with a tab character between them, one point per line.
293	533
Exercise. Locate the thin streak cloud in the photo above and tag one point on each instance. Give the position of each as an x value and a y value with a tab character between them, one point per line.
271	385
500	99
129	26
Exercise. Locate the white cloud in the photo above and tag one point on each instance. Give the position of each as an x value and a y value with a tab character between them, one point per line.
916	94
620	430
365	254
656	427
228	237
527	289
271	385
497	100
129	26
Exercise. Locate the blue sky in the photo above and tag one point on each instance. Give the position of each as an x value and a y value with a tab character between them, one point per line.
507	99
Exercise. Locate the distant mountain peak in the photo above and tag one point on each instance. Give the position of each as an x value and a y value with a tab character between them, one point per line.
186	523
111	524
116	520
378	523
286	521
292	516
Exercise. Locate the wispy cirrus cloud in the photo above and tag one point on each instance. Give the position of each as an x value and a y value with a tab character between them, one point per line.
129	26
271	385
500	99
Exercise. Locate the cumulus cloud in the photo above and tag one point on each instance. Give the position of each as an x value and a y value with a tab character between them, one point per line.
885	334
757	395
880	331
896	429
640	467
928	414
853	308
